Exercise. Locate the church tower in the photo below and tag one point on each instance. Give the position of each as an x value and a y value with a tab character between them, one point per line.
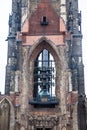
44	84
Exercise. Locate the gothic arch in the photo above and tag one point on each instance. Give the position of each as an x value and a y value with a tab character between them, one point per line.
44	43
6	101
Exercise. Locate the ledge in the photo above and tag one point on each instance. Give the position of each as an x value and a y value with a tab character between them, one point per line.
44	102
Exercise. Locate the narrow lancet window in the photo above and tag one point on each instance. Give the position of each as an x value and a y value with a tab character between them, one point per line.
44	80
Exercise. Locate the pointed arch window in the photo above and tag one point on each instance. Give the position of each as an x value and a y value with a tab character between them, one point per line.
44	79
4	115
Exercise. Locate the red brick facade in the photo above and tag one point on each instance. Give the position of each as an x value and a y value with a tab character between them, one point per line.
43	28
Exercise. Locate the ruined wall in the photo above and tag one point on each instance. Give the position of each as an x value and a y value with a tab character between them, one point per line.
29	6
27	38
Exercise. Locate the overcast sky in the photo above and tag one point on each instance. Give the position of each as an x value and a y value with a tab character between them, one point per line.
5	9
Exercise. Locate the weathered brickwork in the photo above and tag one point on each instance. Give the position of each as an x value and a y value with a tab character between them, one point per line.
35	27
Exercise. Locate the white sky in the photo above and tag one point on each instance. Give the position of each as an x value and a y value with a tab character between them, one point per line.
5	9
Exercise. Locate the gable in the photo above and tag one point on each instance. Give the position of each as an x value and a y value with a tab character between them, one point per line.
34	29
44	10
34	26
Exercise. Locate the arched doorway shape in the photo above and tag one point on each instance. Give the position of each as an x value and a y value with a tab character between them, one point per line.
7	114
44	43
44	75
37	48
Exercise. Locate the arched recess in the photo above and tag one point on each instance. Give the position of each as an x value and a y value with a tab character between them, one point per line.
44	43
37	48
7	117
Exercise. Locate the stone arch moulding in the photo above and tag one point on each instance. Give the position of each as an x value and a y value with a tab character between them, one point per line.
12	114
44	43
39	45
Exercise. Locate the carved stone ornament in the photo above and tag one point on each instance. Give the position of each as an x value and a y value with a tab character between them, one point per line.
43	120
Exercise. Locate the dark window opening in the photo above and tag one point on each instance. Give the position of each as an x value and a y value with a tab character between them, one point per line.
39	128
43	129
44	81
44	21
44	75
47	128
